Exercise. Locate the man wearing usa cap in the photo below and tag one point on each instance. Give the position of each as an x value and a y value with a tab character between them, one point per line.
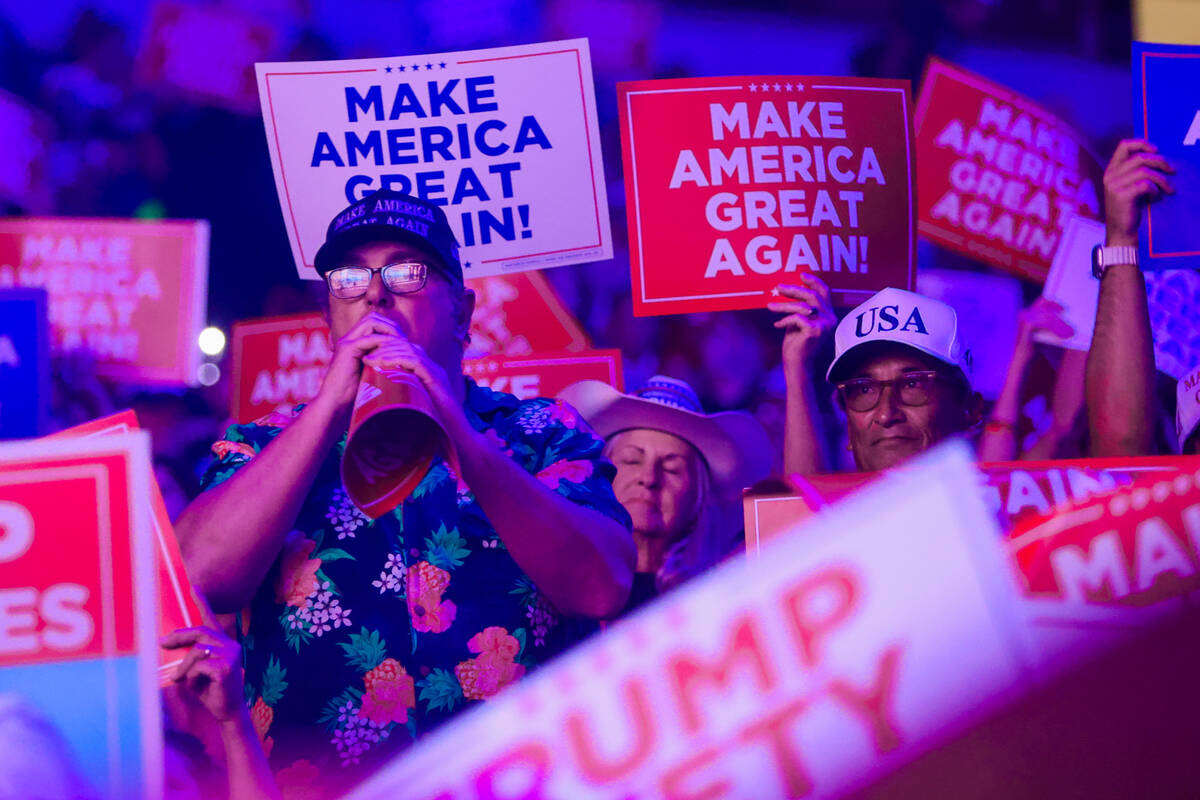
362	634
900	367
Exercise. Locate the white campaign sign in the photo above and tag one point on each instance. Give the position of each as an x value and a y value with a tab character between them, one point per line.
1072	285
886	625
506	140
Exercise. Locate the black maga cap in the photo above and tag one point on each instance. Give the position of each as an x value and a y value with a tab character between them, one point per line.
390	216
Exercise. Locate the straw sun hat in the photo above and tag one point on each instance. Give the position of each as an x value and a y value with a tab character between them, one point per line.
733	443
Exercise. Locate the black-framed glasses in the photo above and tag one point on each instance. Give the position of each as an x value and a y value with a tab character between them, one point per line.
405	277
912	388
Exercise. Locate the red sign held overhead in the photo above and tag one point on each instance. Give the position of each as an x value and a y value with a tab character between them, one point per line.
130	292
545	374
278	362
999	175
737	184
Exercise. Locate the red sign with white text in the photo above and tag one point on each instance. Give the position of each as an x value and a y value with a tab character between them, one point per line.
68	600
735	185
519	314
999	175
1013	490
177	603
1133	546
545	374
132	293
278	362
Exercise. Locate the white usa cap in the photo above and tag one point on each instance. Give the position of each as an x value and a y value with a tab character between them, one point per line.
1187	406
908	318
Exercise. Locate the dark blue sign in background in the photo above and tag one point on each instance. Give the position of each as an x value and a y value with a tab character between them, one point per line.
24	363
1166	92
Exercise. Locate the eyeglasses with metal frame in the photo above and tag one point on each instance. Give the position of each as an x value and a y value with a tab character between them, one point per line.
403	277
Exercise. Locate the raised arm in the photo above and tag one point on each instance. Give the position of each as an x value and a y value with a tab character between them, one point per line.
808	321
999	439
1120	365
210	675
231	534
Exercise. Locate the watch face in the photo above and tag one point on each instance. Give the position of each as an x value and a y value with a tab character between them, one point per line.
1098	260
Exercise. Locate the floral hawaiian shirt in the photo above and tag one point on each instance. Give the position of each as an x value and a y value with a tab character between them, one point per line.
366	634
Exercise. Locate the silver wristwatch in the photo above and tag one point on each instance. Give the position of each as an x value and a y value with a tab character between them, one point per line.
1105	257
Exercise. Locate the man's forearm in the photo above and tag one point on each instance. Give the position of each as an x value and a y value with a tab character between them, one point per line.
246	766
582	560
803	446
1120	367
999	439
231	534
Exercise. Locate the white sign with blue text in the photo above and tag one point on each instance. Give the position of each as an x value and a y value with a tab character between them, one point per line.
505	140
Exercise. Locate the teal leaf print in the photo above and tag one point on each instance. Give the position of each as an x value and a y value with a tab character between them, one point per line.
446	548
440	691
519	635
274	682
525	590
365	651
432	480
295	631
333	709
333	554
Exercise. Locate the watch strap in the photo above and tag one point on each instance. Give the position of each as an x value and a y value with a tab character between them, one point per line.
1105	257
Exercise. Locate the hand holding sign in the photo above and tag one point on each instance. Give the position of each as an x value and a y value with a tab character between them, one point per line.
1135	176
211	668
1042	315
809	321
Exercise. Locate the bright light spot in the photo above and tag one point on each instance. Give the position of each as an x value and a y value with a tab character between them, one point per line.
208	374
212	341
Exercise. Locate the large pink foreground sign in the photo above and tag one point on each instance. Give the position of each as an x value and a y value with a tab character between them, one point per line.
808	673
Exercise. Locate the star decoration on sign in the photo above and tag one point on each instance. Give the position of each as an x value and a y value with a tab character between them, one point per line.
387	69
402	68
416	67
778	87
754	87
442	64
766	87
429	66
467	264
775	292
787	86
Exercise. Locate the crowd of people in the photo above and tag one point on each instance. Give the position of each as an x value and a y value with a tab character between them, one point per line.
338	640
565	514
